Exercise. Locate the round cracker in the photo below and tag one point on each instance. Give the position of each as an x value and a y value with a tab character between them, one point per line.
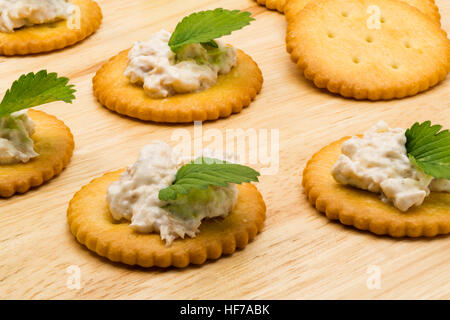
52	36
273	4
428	7
365	210
330	42
91	223
54	143
232	92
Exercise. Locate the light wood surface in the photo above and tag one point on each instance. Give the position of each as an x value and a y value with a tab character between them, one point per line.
300	254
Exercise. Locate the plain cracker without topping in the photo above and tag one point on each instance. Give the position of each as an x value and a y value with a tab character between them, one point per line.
330	42
232	92
91	223
52	36
365	210
428	7
53	142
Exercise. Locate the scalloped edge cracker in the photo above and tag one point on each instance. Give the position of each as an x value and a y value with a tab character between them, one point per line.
407	55
365	210
52	36
232	92
91	223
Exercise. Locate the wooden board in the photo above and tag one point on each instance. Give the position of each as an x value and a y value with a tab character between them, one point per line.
300	254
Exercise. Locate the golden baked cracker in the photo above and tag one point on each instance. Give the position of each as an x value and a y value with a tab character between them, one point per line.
365	210
428	7
232	92
337	45
52	36
54	143
91	223
274	4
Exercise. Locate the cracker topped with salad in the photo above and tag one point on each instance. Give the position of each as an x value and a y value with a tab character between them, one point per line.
388	181
34	146
184	76
167	211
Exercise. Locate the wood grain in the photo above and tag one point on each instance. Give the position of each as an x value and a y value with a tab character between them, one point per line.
300	254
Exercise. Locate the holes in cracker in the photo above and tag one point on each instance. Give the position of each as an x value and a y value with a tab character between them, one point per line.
394	66
344	14
382	20
408	45
330	35
369	39
356	60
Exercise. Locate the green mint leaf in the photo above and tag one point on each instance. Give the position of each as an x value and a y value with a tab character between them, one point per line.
187	206
204	172
32	90
204	26
428	148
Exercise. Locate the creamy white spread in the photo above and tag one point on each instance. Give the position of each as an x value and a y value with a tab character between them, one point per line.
16	144
163	73
134	197
378	162
19	13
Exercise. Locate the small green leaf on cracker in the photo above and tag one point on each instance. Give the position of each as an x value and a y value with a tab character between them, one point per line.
428	147
204	172
205	26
